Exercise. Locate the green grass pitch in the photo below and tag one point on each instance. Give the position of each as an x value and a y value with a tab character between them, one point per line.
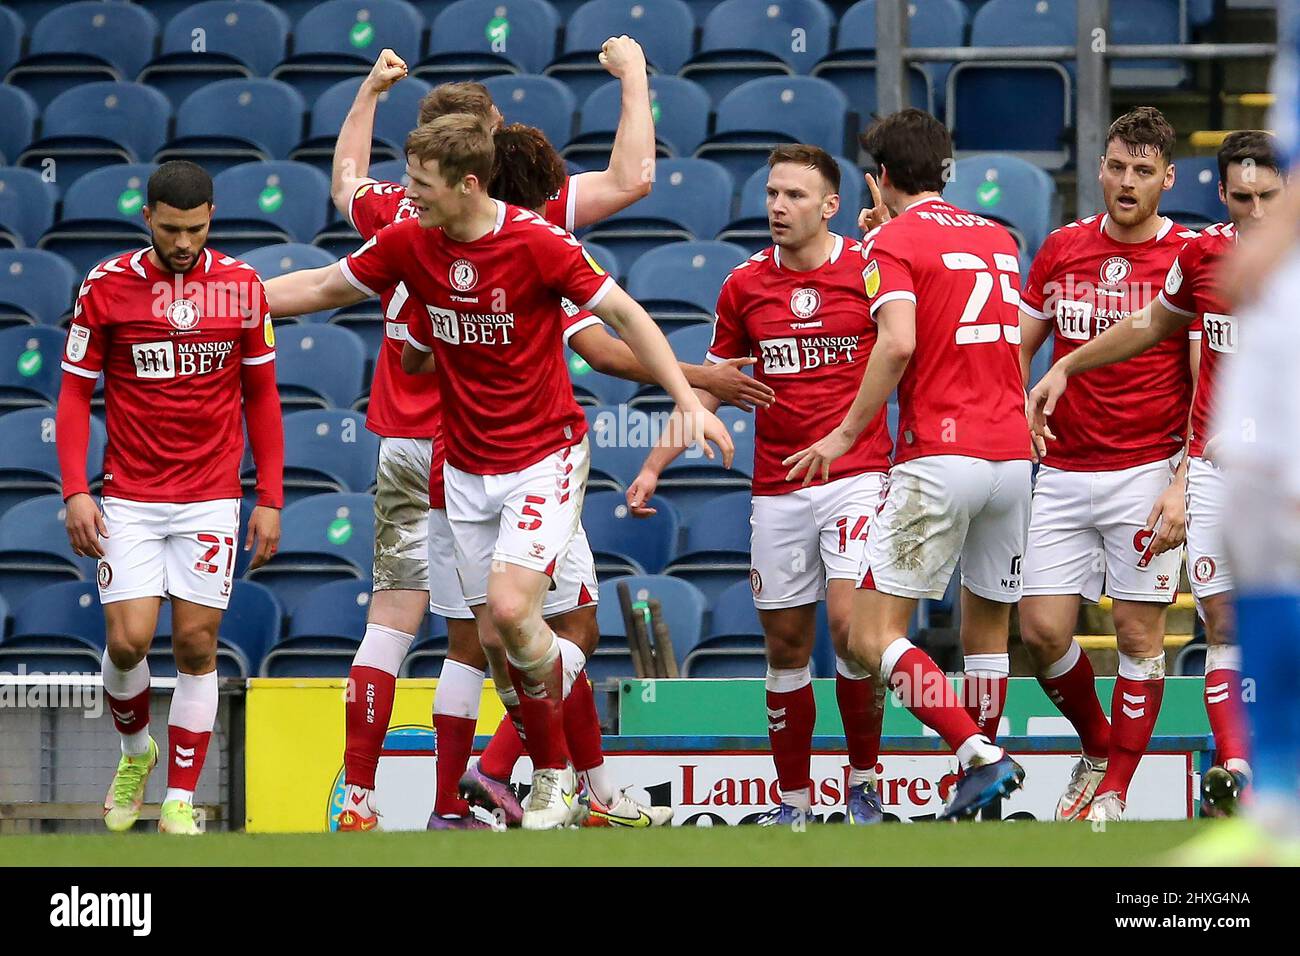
971	844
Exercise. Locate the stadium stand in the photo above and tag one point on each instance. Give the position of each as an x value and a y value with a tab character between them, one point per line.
107	90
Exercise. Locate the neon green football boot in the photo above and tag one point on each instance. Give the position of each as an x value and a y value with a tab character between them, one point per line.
179	819
126	792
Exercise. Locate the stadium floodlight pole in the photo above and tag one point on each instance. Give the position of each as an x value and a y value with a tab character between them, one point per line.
892	38
1093	68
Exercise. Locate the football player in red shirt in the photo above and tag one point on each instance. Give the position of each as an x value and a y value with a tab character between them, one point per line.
800	305
944	290
1250	183
182	336
1108	500
490	277
405	413
527	170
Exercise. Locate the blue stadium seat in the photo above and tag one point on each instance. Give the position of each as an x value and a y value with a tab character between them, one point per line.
680	281
689	341
756	116
691	477
34	549
82	42
623	544
12	32
390	170
235	121
29	366
251	624
620	438
596	388
535	101
395	116
714	555
734	616
95	124
324	632
691	200
1194	201
281	257
852	65
16	132
683	606
260	203
101	215
474	39
326	538
746	39
59	629
1009	189
31	11
29	464
1015	106
35	284
26	207
318	366
341	38
692	344
240	38
1139	22
749	229
327	450
665	29
679	107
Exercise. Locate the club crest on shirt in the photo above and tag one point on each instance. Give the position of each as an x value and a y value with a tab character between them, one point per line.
871	279
1115	270
183	314
805	302
462	275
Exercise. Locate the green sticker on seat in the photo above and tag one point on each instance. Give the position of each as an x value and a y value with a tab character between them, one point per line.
29	363
989	193
339	531
498	28
130	202
270	199
361	35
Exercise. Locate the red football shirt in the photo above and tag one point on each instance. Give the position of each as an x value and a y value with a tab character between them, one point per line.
494	309
812	334
1128	414
961	393
170	348
561	208
1192	289
401	405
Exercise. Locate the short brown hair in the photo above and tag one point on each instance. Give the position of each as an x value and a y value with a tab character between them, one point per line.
914	146
468	97
526	170
801	154
461	143
1248	146
1144	126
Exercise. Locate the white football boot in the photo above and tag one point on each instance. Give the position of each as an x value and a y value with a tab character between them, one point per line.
1106	808
1084	778
553	801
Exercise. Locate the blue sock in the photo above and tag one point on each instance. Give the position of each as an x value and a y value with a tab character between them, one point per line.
1268	627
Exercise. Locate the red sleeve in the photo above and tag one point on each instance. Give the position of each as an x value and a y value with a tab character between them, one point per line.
1034	295
1179	295
265	430
888	275
564	265
378	264
730	340
72	432
575	319
419	325
561	208
87	342
374	205
257	340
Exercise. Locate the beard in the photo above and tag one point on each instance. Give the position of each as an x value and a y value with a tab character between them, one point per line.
168	260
